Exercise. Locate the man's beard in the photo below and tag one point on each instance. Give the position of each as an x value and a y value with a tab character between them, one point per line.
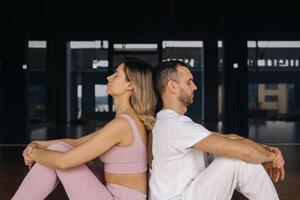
185	98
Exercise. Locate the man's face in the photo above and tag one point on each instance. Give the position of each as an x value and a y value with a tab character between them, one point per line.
186	84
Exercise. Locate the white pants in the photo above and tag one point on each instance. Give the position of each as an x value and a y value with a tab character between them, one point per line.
223	175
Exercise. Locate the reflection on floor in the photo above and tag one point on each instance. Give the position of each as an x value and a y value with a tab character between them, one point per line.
12	171
278	132
275	132
50	131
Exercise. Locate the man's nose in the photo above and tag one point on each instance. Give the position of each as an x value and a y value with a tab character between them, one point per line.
195	87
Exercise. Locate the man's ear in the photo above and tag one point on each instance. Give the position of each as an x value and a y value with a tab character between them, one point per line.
172	86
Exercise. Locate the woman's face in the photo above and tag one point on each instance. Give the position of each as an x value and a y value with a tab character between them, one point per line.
117	83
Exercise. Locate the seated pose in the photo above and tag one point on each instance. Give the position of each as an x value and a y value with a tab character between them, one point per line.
121	145
180	169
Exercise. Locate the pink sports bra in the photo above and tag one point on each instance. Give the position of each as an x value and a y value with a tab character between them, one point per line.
129	159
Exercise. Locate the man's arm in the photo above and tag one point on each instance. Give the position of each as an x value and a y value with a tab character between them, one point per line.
279	161
235	147
231	136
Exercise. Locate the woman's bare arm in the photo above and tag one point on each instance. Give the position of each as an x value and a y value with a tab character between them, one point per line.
72	142
110	135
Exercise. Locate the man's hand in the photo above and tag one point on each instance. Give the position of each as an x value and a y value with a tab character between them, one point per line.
278	161
275	168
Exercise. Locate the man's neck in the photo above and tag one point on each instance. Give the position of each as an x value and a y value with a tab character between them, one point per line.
173	103
179	109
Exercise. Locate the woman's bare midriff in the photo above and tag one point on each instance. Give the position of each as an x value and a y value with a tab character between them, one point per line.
136	181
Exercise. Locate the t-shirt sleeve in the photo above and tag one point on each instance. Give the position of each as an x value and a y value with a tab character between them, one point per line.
186	133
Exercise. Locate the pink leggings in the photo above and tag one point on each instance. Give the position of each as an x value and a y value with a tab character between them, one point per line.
79	183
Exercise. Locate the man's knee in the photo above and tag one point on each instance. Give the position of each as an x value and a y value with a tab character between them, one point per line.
60	146
237	163
227	161
240	166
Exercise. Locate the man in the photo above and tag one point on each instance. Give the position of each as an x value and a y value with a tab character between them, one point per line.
179	147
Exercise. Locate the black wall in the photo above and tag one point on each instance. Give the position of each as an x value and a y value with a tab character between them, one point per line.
232	21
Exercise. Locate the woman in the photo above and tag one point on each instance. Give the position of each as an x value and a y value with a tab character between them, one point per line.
121	145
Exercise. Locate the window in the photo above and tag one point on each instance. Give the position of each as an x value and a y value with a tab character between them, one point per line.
101	98
89	55
271	98
87	64
271	86
273	74
36	58
191	53
135	47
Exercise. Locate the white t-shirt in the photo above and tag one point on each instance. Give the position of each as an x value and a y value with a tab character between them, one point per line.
175	163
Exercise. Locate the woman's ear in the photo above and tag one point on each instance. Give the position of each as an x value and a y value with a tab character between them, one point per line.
130	86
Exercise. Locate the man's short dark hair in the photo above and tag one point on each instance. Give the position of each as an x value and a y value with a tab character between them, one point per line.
164	72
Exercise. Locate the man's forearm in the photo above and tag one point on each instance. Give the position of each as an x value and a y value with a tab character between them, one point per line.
259	151
258	154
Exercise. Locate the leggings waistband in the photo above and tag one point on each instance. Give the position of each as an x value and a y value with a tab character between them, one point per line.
121	192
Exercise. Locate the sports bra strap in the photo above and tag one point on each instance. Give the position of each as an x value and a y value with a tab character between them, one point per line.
134	128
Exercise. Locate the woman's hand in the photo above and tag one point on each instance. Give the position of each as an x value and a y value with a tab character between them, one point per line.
26	152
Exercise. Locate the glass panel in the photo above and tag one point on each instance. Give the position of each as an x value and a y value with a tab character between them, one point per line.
146	52
79	97
151	59
135	47
88	64
271	98
274	85
190	52
220	81
89	55
36	55
1	56
271	86
37	81
101	100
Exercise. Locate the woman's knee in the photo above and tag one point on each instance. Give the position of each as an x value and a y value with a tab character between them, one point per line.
60	146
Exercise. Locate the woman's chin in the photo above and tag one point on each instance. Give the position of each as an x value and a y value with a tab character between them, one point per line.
109	93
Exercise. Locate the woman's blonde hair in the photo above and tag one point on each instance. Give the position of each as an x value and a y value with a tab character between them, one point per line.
143	99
